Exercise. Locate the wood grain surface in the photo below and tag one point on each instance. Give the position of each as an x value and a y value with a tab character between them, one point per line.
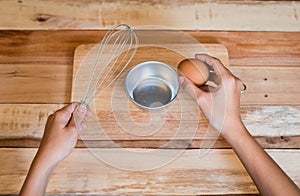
46	57
38	40
229	15
218	172
22	125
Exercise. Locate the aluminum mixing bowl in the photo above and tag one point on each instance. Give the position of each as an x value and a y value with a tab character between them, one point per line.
152	84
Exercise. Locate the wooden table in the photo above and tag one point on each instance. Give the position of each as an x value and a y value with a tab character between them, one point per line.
36	76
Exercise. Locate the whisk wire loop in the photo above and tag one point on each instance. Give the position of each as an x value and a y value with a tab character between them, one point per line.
111	57
115	53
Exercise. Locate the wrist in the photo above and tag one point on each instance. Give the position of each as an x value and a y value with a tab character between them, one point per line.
37	177
233	132
44	161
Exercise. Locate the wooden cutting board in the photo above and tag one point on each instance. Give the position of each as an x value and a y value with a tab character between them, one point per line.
120	119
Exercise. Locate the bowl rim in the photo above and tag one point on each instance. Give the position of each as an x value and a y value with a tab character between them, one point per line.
176	91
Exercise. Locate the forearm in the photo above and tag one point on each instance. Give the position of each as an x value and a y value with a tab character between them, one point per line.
266	174
37	178
59	139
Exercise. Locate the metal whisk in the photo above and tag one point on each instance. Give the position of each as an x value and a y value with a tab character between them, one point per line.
109	59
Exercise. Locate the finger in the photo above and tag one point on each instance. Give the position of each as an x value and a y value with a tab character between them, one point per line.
214	78
208	88
190	87
64	114
204	88
215	63
241	86
50	117
78	116
49	120
68	108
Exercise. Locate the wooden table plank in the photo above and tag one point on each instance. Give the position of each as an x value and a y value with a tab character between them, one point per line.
269	85
219	172
192	14
57	47
46	57
273	127
34	82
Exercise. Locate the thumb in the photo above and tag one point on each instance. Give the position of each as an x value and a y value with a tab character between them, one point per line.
190	88
79	114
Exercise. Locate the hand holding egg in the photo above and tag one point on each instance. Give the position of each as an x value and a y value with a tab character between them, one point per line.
194	70
215	102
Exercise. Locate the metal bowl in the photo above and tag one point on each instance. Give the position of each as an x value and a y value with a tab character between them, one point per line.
152	84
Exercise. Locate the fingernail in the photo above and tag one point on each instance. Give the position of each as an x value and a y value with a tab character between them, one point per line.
181	79
82	108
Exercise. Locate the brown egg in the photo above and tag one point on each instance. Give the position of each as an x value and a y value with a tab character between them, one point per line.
194	70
